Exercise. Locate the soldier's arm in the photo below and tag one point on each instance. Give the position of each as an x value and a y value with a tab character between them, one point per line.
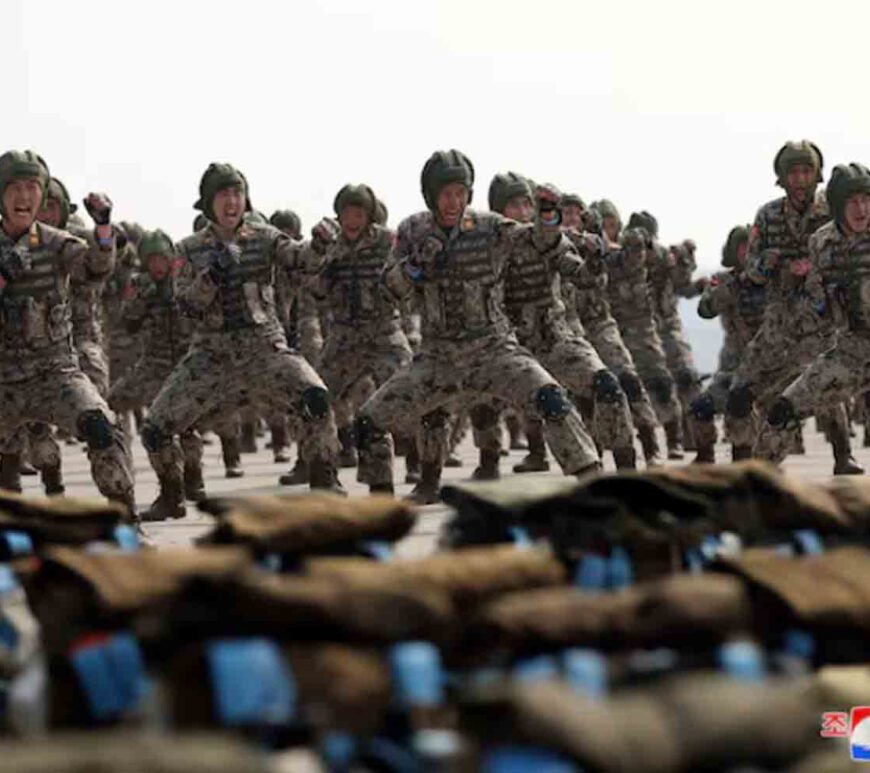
403	270
821	287
716	297
133	309
761	262
197	285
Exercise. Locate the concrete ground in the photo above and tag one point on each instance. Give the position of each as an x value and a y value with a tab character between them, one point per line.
261	477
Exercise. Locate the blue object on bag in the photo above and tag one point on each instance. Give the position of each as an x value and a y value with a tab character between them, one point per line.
520	536
251	682
127	538
523	759
8	580
743	660
418	678
112	675
591	573
339	750
380	550
586	671
800	644
809	541
536	668
18	543
620	572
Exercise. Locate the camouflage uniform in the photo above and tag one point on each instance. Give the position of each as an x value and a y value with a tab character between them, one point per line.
40	380
124	348
468	347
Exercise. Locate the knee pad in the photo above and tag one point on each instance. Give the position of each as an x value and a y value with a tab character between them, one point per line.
38	430
739	404
703	408
662	389
782	414
551	402
315	402
606	387
153	438
686	379
631	385
365	432
96	430
436	419
483	417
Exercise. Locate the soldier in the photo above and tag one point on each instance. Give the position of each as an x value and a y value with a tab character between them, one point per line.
40	380
455	261
838	285
791	333
588	304
739	303
239	346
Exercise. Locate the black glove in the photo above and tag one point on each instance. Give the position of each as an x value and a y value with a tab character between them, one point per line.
11	263
99	207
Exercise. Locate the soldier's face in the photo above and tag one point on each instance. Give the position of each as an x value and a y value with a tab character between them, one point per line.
158	267
229	207
799	181
857	214
611	227
50	214
22	199
451	203
741	253
572	217
353	220
519	208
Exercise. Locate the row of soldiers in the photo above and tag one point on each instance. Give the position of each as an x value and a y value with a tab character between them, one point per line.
541	306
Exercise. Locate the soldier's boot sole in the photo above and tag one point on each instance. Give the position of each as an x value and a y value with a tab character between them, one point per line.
323	476
10	472
533	463
27	469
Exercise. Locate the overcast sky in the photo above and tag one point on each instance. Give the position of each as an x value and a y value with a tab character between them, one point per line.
676	107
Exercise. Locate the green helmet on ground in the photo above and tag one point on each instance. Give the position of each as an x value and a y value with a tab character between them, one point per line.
846	180
216	178
356	196
442	168
288	221
736	236
57	191
155	243
23	164
645	220
504	186
794	153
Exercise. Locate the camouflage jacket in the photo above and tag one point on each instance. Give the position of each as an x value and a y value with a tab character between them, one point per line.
740	305
586	297
628	287
86	296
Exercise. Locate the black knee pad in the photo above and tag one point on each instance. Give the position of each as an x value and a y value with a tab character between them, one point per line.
662	389
96	430
686	379
552	403
739	404
606	387
782	414
632	386
436	419
703	408
153	438
38	430
315	402
483	417
366	432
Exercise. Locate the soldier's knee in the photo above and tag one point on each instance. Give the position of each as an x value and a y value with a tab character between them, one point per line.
552	403
606	387
38	431
782	414
483	417
739	404
632	386
95	429
366	432
315	402
153	437
662	389
435	420
703	408
686	379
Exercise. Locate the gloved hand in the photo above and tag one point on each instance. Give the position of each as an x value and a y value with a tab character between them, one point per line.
323	234
547	197
11	264
99	207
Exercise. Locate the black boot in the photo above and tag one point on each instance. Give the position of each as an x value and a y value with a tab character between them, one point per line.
10	472
280	443
347	456
705	454
169	503
488	467
412	463
52	481
625	458
740	453
536	459
194	486
298	476
650	444
323	476
249	438
844	462
427	491
232	457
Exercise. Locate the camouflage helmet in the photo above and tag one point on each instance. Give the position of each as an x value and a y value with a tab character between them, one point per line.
572	200
256	217
736	236
504	187
794	153
155	243
133	232
57	191
216	178
606	208
18	164
356	195
200	222
846	180
287	220
382	214
442	168
645	220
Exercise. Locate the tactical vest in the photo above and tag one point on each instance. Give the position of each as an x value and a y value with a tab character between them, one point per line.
845	267
628	289
589	295
34	308
166	333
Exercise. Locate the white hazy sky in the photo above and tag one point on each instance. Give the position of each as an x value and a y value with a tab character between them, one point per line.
674	106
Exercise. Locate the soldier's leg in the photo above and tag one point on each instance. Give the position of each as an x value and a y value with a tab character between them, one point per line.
191	451
95	365
488	439
46	456
703	411
14	443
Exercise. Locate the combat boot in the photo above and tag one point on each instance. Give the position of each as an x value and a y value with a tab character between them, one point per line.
536	459
649	443
427	491
194	486
706	454
866	437
248	443
844	462
452	460
382	488
10	472
740	453
52	480
169	503
488	467
232	457
625	458
323	476
675	441
280	443
298	476
412	463
347	456
27	469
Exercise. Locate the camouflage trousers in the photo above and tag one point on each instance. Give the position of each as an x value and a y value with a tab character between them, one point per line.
352	364
64	397
94	364
681	363
124	352
494	368
648	354
248	369
604	335
832	378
